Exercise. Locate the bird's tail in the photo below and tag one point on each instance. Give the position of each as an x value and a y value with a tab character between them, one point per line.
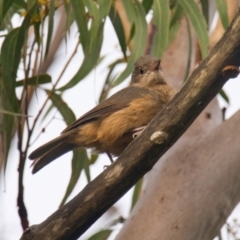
50	151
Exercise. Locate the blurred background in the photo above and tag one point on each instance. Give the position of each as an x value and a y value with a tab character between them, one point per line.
61	58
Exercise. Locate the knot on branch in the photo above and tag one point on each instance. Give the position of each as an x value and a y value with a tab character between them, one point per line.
159	137
230	71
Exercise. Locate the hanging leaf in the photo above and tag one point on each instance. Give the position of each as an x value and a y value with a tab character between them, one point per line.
161	19
78	164
118	27
147	4
35	80
79	158
82	21
198	22
102	235
205	7
137	192
104	8
63	108
223	13
136	15
50	25
89	62
4	6
224	96
11	53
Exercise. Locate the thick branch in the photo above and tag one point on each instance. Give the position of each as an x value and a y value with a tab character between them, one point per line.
80	213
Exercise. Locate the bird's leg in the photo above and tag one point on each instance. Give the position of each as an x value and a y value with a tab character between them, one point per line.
138	131
109	156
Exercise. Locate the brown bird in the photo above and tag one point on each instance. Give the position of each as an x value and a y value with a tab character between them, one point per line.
111	126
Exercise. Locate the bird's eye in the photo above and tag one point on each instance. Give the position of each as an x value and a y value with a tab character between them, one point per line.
141	71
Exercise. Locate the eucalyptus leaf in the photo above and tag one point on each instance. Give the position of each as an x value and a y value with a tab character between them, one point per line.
78	162
136	14
35	80
223	13
118	27
161	19
198	22
50	25
101	235
137	192
89	62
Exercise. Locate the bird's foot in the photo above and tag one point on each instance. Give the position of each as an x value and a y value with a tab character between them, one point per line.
138	131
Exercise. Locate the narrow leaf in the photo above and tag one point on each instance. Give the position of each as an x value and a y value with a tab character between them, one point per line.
78	160
147	4
199	24
89	62
137	192
136	14
223	13
161	19
62	107
224	96
205	7
50	25
118	27
102	235
4	7
104	8
35	80
94	14
82	21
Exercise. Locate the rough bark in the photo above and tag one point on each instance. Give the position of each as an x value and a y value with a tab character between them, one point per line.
145	220
194	188
75	217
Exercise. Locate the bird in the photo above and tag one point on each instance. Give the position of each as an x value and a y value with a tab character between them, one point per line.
114	123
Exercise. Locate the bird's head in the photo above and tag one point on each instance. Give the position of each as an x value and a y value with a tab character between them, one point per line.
147	72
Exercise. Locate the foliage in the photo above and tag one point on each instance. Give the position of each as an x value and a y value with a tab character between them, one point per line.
25	50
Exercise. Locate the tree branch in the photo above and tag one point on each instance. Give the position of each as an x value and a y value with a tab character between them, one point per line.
73	219
191	193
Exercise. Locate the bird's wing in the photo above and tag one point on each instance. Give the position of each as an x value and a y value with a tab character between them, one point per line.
116	102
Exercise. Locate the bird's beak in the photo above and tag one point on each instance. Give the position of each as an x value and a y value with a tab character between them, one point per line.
156	66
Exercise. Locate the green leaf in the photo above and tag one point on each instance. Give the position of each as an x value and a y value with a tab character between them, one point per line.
82	21
50	25
11	53
161	19
177	14
78	162
102	235
104	8
4	6
89	62
62	107
50	108
35	80
118	27
107	86
12	113
187	70
147	4
94	14
198	22
86	163
223	13
224	96
137	192
205	7
136	15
